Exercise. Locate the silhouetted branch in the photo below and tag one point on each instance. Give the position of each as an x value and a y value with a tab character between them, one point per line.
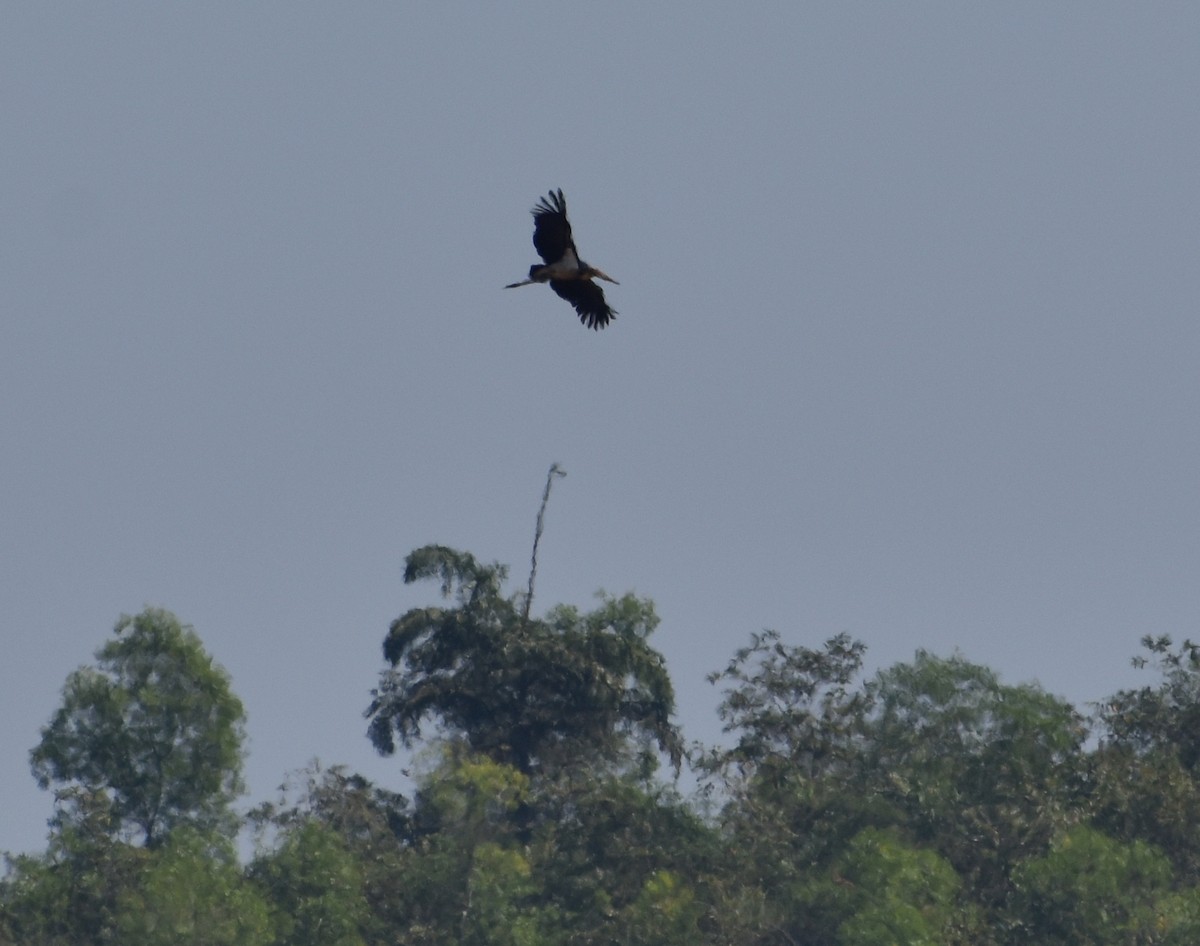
555	470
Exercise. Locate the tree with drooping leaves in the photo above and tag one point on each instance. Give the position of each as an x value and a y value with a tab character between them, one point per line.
527	692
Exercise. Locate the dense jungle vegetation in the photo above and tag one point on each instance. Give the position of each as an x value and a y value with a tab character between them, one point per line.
927	804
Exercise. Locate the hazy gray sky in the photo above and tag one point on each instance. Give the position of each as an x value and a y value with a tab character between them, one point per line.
908	339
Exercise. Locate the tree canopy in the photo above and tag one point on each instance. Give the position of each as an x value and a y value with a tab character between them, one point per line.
927	804
153	725
526	692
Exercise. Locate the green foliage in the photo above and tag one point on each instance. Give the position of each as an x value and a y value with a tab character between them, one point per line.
1148	796
606	850
523	692
1176	919
973	771
314	886
1146	773
931	805
191	891
372	826
1162	717
465	878
791	707
154	726
883	892
92	888
367	819
666	912
984	772
1089	890
474	794
71	894
798	729
500	910
791	780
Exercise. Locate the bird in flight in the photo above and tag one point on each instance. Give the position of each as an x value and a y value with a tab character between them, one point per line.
568	275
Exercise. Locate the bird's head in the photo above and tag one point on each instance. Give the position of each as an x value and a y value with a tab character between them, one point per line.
600	274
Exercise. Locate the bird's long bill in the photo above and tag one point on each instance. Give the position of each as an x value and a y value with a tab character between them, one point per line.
606	278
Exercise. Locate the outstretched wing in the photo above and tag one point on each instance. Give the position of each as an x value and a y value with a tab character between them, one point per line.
588	300
551	230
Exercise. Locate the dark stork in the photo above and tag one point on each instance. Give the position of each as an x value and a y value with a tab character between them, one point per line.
567	274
